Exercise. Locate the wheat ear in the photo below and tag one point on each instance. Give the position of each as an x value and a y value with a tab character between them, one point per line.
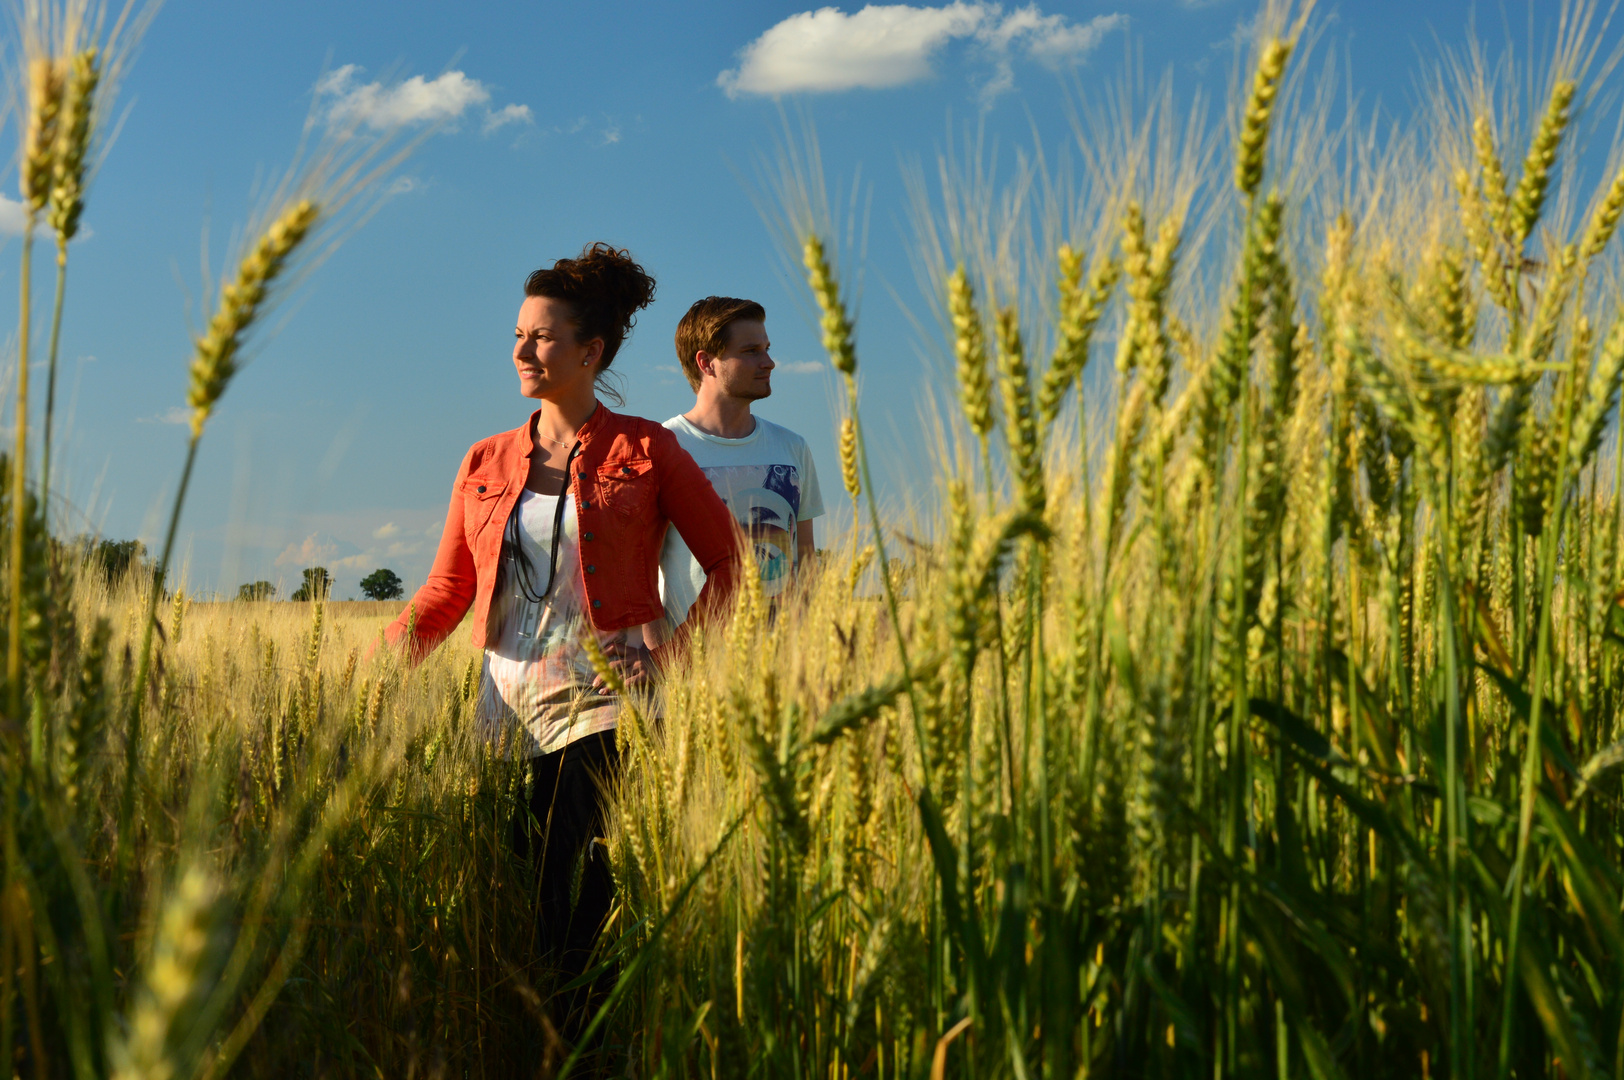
43	104
1536	176
970	350
837	328
1020	423
215	360
67	203
848	458
1259	108
213	365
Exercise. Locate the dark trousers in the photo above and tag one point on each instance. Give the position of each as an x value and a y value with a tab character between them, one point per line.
573	885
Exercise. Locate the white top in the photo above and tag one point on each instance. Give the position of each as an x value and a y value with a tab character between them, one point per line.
768	481
536	674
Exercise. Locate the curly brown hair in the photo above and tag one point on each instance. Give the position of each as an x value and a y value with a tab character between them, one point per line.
605	290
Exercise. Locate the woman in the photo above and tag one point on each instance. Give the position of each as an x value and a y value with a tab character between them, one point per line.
554	531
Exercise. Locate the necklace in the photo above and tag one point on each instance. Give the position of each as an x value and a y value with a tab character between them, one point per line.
572	442
555	442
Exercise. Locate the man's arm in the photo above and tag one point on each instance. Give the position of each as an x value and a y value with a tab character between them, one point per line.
805	545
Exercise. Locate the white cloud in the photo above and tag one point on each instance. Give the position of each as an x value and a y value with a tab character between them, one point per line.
611	135
507	114
309	553
879	46
885	45
384	532
415	101
800	367
12	217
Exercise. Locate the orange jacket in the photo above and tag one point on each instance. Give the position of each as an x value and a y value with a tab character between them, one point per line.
629	478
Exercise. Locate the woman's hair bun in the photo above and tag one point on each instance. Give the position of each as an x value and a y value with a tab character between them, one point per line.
605	289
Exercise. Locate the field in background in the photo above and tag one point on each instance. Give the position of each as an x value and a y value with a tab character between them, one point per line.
361	611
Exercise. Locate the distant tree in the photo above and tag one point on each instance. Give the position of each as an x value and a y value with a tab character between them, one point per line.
259	590
317	584
115	558
383	585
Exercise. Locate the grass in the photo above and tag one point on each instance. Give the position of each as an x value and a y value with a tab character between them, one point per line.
1245	701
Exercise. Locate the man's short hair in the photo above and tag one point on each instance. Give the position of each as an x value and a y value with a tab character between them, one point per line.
704	329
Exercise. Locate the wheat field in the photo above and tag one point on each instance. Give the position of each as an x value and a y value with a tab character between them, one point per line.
1242	700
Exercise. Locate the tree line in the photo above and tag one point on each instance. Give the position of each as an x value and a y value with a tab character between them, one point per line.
116	558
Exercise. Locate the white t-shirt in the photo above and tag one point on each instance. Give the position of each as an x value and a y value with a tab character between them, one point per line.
536	674
769	483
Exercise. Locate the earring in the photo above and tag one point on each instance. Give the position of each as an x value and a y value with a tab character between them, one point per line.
586	363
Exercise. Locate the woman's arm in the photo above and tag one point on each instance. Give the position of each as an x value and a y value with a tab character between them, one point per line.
706	525
437	608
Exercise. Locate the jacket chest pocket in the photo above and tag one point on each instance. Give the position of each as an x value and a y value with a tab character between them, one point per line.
479	497
628	488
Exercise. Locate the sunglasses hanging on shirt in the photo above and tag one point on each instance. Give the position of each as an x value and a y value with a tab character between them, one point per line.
519	563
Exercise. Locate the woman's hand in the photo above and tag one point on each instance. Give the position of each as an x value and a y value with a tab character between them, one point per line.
633	663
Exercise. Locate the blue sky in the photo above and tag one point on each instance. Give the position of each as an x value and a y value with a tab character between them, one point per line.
562	123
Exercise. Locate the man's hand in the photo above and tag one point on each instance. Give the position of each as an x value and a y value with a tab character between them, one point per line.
633	663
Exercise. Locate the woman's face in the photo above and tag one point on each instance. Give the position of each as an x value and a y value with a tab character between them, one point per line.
550	362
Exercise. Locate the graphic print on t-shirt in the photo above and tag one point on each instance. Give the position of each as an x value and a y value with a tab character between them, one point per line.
766	502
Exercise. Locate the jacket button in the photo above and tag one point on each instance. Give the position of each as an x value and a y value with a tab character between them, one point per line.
592	569
586	506
481	489
626	469
597	603
586	536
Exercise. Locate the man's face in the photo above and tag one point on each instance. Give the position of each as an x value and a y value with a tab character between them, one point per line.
744	368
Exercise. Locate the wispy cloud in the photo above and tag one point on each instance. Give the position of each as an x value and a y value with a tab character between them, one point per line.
312	552
414	101
886	45
1051	40
1245	30
800	367
507	114
606	130
175	414
385	531
374	557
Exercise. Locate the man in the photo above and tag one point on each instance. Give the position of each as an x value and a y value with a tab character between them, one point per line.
763	472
